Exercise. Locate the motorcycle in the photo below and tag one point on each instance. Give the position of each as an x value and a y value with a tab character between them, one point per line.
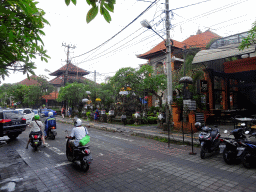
249	153
209	140
233	148
35	140
52	132
80	155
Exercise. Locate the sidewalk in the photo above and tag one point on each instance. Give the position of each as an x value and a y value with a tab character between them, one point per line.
147	131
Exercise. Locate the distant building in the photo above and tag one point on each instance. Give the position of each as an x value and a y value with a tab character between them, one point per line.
157	56
31	81
74	74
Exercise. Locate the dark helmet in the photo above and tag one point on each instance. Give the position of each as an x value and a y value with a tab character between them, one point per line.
198	125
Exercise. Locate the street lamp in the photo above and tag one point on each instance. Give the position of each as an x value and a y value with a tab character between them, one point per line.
146	24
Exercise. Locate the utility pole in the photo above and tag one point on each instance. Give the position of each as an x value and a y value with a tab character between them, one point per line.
68	61
94	76
169	70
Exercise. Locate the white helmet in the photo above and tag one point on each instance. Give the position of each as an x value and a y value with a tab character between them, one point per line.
50	114
78	123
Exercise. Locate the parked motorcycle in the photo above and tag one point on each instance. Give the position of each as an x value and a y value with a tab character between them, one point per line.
249	153
209	139
52	132
233	148
80	155
35	140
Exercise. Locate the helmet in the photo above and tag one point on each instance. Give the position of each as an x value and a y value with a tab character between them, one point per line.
36	117
78	123
198	125
50	114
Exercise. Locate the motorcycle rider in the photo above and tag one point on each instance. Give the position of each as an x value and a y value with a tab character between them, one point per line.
78	132
49	122
36	126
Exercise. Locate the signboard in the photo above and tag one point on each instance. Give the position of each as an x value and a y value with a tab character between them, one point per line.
189	104
203	86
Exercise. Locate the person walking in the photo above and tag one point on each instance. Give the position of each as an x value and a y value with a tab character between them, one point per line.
96	115
63	111
69	112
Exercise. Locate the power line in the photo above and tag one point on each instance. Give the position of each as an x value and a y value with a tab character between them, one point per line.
210	12
120	30
189	5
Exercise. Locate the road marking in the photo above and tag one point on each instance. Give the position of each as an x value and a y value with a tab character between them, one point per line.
121	138
47	155
62	164
56	150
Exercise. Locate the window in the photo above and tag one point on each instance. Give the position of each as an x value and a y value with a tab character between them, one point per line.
27	111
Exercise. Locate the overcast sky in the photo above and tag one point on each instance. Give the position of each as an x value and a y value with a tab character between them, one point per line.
68	25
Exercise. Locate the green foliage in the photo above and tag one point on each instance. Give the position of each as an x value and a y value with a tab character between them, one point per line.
73	93
26	95
250	39
151	118
105	6
21	24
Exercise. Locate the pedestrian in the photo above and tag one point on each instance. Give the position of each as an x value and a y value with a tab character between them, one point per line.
69	112
63	110
96	115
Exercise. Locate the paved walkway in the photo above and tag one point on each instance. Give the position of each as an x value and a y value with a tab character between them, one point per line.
148	131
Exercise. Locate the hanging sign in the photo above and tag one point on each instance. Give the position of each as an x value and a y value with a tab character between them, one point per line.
203	86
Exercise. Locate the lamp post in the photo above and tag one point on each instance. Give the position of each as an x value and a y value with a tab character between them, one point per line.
146	24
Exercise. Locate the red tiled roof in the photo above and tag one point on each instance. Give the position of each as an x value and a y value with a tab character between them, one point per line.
200	40
51	96
160	47
32	81
60	79
72	69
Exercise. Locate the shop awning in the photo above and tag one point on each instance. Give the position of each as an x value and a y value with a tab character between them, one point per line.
221	53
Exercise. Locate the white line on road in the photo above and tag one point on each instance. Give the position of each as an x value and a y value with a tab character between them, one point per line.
56	150
62	164
120	138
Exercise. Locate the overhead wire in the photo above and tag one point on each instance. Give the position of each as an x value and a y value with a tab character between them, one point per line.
120	30
210	12
197	16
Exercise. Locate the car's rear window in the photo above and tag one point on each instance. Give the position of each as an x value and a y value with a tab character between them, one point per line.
27	111
11	114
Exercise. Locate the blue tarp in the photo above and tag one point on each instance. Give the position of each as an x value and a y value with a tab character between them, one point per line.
143	101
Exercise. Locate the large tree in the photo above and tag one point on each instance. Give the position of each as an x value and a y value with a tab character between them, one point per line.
152	82
73	93
105	7
21	24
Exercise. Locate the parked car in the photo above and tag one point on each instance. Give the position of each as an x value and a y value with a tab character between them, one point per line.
12	123
28	114
46	111
36	111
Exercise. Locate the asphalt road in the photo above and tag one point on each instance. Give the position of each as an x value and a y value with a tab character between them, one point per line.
121	163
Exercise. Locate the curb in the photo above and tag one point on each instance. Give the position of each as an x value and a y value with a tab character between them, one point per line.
138	133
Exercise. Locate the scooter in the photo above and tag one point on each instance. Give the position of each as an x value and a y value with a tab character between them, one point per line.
249	153
233	148
52	132
209	140
35	140
81	155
